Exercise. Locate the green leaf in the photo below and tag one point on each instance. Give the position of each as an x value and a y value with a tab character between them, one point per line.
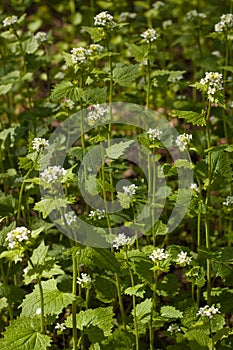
96	33
143	310
30	45
24	334
221	166
67	90
125	200
124	75
39	254
101	317
117	150
183	163
4	89
138	52
105	288
3	303
54	300
170	312
137	290
190	116
47	205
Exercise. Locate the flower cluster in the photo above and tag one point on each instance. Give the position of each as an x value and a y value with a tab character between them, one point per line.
158	254
226	22
79	55
60	326
97	214
121	240
130	190
8	21
68	103
183	140
70	218
84	279
126	15
208	311
16	236
213	81
150	35
194	187
193	14
53	173
104	19
97	113
228	202
39	144
95	49
174	328
41	37
183	259
154	134
158	4
167	23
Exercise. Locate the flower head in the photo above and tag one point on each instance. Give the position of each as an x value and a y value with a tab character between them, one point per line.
124	16
226	22
194	187
183	140
228	202
158	254
17	236
208	311
150	35
70	218
121	240
41	37
39	144
154	134
104	19
158	4
96	113
60	326
53	173
68	103
97	214
130	190
95	49
193	14
84	279
183	259
8	21
213	81
79	55
174	328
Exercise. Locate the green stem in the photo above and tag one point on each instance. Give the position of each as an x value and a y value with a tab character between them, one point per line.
42	323
74	306
134	303
87	297
122	311
207	203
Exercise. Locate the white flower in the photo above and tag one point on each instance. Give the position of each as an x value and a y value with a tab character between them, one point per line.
229	201
226	22
68	103
154	134
53	173
130	190
213	81
158	4
39	144
99	214
193	14
38	311
97	113
126	15
70	218
150	35
60	326
8	21
16	236
183	258
95	49
79	55
208	311
158	254
174	328
183	140
104	19
41	37
194	187
167	23
121	240
85	279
